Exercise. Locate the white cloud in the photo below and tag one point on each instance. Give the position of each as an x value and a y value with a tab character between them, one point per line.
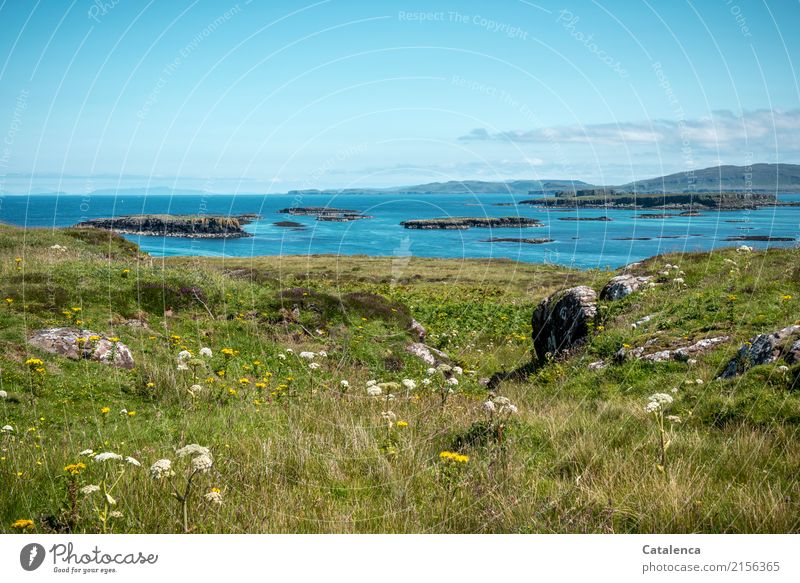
760	131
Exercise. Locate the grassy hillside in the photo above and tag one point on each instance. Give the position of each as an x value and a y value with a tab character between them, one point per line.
757	177
295	450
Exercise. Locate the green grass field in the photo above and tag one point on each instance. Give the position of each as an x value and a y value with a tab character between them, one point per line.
295	450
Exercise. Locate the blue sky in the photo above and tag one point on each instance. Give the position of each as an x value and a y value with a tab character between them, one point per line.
272	96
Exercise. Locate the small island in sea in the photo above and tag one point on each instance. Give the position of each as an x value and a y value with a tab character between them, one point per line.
688	201
448	223
322	213
188	226
529	241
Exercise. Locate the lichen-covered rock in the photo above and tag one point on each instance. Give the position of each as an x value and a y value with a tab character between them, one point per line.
428	354
417	330
79	344
762	349
561	322
793	354
622	285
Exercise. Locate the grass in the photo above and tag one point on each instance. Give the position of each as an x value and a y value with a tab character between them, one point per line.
295	451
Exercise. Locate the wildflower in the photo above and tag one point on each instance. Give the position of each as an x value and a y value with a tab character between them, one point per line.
698	381
282	356
244	381
489	406
107	455
74	469
261	385
9	301
93	337
458	370
744	249
661	398
193	449
131	413
307	355
195	389
105	410
133	461
452	381
402	424
783	368
22	524
449	456
34	362
673	419
228	352
430	371
86	452
3	395
202	463
184	355
409	384
214	496
182	366
123	411
205	352
161	469
374	391
313	366
372	383
345	384
389	417
7	429
652	407
323	354
426	381
90	489
678	280
786	298
232	392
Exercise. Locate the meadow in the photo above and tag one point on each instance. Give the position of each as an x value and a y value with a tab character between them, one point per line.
275	394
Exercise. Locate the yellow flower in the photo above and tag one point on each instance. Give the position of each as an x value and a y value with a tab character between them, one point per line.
228	351
261	385
113	339
9	301
94	338
22	524
450	456
131	413
150	385
220	373
256	363
217	490
244	381
787	298
105	410
33	362
402	424
232	392
731	297
75	469
600	328
76	310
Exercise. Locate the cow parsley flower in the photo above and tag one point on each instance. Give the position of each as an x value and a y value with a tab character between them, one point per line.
132	461
184	355
205	352
7	429
313	366
214	496
662	398
374	391
161	469
430	371
458	370
345	384
90	489
193	449
307	355
652	407
282	356
323	354
202	463
182	366
452	381
3	395
409	384
489	406
107	455
86	452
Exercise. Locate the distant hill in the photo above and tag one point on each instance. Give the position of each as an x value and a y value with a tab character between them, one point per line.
758	178
464	187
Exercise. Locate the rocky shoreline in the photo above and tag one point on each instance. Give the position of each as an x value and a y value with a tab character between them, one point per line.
327	214
462	223
186	226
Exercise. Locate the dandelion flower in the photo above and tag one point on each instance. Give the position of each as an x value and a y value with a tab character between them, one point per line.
22	524
105	410
90	489
107	455
402	424
161	469
202	463
205	352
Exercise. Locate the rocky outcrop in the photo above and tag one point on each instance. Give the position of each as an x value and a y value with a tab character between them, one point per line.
417	330
682	353
561	322
468	222
188	226
327	214
527	240
763	349
621	286
793	354
428	354
79	344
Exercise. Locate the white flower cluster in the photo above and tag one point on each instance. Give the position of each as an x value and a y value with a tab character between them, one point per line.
500	405
307	355
161	469
3	395
657	402
214	497
202	463
205	352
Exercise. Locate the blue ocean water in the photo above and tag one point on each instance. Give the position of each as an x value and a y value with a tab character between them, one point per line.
584	244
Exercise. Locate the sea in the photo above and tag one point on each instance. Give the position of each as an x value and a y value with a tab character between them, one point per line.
584	244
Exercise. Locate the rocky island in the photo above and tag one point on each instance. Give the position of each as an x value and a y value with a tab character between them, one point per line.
448	223
188	226
332	215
